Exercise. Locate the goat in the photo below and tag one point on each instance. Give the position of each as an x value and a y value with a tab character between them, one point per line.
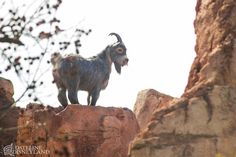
73	72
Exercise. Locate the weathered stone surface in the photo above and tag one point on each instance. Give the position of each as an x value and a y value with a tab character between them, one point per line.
147	101
215	63
199	126
78	131
6	93
8	116
8	126
202	122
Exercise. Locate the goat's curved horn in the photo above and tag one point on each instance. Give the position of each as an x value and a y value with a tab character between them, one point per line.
117	36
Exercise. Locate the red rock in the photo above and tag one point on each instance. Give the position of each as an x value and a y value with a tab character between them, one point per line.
6	93
147	102
78	131
8	116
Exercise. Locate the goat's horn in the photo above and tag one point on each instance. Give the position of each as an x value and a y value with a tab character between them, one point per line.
117	36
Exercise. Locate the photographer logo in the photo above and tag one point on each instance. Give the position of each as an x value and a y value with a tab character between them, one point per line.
13	150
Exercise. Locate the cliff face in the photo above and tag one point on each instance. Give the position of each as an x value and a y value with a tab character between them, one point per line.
77	131
201	126
202	122
8	116
215	63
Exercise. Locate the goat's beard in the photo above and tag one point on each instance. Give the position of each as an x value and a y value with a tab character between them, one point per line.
117	67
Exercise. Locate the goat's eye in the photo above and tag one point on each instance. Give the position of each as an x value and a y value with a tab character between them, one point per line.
119	50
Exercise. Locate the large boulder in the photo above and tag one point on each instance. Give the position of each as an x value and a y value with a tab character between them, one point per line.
78	131
146	103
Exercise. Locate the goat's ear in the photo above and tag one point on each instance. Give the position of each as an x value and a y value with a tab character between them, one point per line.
117	67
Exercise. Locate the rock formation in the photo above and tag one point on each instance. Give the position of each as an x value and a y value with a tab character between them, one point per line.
202	122
77	131
147	101
215	63
6	93
8	116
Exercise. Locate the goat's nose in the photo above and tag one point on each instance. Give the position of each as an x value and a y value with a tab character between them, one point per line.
125	62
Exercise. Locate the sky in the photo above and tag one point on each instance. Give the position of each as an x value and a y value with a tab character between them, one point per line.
159	36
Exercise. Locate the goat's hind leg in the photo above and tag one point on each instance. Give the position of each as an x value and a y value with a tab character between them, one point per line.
72	91
62	97
72	95
95	96
61	93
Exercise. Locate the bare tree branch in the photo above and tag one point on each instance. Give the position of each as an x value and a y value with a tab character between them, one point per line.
11	40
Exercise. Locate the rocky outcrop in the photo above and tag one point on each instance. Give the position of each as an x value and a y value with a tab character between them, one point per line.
147	101
202	122
203	125
8	114
215	63
6	93
78	131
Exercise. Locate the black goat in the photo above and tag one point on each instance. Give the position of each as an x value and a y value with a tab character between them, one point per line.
73	72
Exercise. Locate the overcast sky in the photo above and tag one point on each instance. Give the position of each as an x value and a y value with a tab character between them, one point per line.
159	37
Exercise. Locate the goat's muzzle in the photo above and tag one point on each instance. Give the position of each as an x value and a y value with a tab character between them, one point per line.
125	62
122	62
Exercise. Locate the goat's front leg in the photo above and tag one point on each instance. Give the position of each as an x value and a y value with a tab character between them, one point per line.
62	97
95	96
